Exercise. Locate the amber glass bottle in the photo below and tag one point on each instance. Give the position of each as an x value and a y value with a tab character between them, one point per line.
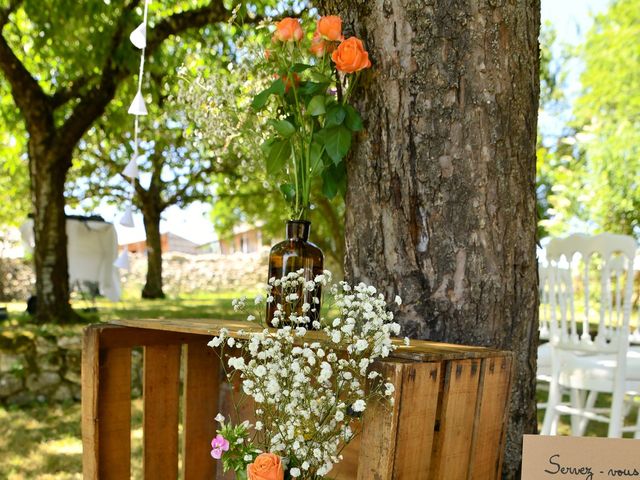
291	255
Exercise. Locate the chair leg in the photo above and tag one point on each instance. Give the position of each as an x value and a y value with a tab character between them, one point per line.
577	401
588	406
550	423
636	435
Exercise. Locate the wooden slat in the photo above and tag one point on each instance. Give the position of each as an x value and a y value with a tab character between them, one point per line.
201	392
417	417
160	417
380	425
452	442
106	409
491	414
90	388
419	350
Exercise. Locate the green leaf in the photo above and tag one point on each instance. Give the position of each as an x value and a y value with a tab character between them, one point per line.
284	128
337	142
278	87
312	88
261	99
336	114
315	156
316	106
329	184
288	191
278	155
353	120
299	67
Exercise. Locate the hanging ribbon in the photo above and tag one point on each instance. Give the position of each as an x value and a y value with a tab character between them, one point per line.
137	108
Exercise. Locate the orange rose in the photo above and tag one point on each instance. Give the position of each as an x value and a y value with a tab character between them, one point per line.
288	30
330	28
350	56
266	466
318	45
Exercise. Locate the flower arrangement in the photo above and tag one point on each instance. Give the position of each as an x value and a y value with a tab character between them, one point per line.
312	123
309	387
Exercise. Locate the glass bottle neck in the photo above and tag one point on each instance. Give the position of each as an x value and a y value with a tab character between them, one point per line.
298	230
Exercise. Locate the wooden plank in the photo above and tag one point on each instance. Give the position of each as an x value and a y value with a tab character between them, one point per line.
453	438
419	350
160	416
106	409
417	418
491	417
119	336
380	425
90	381
201	392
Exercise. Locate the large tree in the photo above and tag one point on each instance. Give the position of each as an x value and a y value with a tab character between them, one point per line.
441	204
64	62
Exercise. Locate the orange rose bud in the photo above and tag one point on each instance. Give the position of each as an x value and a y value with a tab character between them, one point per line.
318	45
330	28
350	56
288	30
266	466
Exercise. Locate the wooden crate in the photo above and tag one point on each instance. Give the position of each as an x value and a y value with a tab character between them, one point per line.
447	422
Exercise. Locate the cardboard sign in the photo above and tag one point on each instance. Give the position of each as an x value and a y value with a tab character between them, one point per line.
580	458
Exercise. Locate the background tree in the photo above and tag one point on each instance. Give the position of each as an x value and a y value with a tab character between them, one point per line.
607	120
88	45
441	203
176	167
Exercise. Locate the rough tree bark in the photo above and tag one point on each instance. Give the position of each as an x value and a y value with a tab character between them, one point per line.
151	205
442	181
51	146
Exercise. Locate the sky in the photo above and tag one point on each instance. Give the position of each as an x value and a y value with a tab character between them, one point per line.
571	19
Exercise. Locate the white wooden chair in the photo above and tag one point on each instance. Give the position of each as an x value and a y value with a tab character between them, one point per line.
580	361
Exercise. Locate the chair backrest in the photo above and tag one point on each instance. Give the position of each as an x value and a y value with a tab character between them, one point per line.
606	258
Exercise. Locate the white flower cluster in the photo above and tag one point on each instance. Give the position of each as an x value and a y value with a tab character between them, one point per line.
309	387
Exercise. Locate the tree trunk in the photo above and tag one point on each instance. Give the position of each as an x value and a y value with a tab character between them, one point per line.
48	168
441	193
153	286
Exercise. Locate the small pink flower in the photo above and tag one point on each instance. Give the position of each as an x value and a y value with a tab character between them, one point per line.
219	445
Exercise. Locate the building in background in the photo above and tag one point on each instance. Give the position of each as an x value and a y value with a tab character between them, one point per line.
170	242
244	239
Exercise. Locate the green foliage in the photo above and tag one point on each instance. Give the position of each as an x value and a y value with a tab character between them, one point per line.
608	119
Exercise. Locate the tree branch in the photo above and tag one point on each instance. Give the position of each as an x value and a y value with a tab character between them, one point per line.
26	91
177	23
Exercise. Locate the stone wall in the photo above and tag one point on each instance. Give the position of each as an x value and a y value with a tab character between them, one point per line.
183	274
42	364
17	280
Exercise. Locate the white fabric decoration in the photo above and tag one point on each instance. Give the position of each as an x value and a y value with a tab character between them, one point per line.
127	218
131	170
139	36
138	106
123	260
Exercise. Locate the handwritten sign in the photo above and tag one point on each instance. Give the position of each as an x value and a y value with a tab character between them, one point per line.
580	458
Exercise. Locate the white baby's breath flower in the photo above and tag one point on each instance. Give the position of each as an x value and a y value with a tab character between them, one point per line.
219	418
295	472
407	342
359	406
398	300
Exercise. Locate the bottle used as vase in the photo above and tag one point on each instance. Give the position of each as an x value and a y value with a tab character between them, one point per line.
291	255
